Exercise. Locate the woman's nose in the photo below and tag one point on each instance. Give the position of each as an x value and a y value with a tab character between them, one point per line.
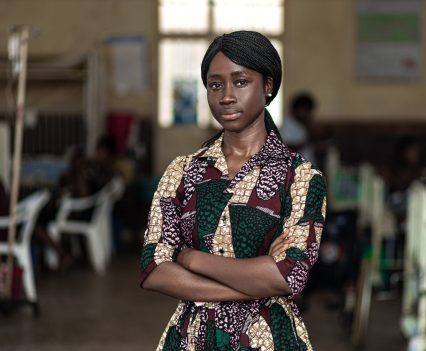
228	96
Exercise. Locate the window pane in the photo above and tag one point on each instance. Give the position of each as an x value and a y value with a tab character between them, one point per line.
180	82
265	16
183	16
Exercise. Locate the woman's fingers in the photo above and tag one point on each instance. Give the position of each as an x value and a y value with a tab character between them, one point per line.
277	243
283	236
285	233
280	249
281	243
274	245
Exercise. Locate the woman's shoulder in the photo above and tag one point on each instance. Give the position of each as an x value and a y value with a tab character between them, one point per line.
299	164
182	162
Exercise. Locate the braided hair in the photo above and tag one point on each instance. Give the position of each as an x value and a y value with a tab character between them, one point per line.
254	51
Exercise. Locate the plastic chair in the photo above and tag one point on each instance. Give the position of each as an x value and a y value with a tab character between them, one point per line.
113	192
413	321
371	205
26	215
97	230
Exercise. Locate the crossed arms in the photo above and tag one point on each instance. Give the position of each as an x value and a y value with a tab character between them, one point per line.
200	276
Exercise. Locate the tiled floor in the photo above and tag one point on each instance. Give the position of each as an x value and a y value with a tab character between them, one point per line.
82	311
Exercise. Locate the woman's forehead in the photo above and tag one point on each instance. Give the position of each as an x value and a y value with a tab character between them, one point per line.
223	65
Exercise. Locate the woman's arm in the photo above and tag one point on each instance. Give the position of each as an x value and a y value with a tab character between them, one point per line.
173	280
257	276
242	274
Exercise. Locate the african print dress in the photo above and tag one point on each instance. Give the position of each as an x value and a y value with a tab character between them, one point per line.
196	205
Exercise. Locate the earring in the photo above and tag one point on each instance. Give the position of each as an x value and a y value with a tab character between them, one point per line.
269	94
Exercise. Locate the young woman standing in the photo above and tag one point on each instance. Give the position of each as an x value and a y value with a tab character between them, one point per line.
235	227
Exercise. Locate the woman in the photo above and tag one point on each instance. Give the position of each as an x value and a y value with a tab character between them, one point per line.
235	227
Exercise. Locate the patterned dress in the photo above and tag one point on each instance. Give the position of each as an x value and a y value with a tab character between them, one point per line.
196	205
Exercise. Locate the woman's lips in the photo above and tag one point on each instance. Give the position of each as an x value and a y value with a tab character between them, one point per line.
230	116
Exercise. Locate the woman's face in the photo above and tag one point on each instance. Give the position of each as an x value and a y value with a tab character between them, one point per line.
236	94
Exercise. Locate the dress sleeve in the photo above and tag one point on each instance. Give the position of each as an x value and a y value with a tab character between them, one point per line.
305	206
162	239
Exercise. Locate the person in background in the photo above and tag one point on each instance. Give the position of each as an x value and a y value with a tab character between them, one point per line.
86	176
403	168
101	167
298	129
405	165
83	178
73	183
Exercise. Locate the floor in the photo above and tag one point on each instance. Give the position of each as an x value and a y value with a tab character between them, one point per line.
85	312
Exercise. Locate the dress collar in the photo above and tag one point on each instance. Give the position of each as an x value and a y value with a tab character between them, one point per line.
273	148
215	153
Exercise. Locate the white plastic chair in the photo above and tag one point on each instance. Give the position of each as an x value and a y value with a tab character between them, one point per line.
27	212
97	230
371	206
413	322
113	192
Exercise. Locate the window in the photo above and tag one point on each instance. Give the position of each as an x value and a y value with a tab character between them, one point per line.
186	29
184	16
180	61
265	16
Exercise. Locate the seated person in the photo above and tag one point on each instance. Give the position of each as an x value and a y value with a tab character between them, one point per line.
101	168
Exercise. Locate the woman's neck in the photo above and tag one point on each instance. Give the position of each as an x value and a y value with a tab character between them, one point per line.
244	144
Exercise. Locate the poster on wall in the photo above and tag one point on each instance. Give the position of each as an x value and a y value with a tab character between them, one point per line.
185	101
389	39
129	56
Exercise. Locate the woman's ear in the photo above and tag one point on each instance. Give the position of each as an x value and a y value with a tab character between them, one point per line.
268	86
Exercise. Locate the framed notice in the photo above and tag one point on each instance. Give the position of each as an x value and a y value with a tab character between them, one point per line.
129	56
389	39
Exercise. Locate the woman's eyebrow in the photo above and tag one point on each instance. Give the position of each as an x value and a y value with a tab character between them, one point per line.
214	76
233	73
239	73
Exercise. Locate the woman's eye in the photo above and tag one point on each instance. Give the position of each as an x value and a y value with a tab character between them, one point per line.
214	86
241	83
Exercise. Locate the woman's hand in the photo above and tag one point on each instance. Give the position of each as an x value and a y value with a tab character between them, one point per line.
281	244
185	257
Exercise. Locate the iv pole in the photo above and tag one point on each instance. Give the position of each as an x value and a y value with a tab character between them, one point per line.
18	51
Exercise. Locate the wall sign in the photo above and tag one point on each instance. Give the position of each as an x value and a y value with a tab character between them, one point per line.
389	39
